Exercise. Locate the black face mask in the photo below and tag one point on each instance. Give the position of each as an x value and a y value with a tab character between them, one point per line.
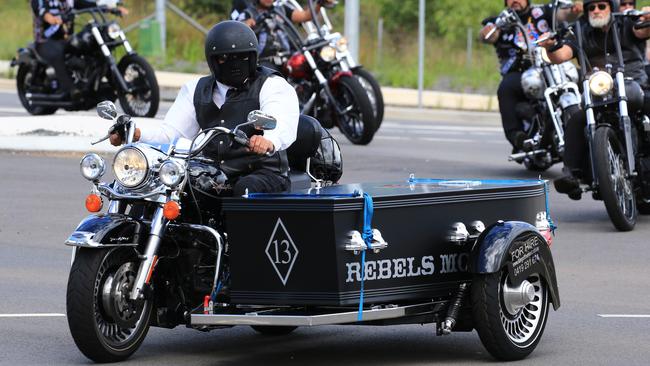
234	71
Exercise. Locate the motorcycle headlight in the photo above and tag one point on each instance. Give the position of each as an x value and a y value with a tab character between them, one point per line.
113	30
342	44
92	166
600	83
171	173
571	71
533	83
328	53
130	167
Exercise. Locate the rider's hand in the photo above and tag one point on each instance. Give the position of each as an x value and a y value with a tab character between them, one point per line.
646	17
52	19
250	22
577	8
116	138
548	42
123	11
259	145
486	30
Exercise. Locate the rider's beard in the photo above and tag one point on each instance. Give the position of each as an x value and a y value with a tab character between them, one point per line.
599	22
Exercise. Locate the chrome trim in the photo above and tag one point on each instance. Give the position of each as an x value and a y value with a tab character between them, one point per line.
85	239
354	242
458	234
114	206
378	242
110	192
73	256
125	43
254	318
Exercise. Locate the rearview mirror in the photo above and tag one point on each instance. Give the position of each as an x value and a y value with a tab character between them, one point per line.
261	121
107	110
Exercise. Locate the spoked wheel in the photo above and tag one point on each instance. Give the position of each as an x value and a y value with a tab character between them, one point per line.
105	324
370	84
269	330
509	320
139	75
24	79
614	184
357	122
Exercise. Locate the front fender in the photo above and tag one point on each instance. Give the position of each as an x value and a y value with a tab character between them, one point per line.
110	230
25	57
519	247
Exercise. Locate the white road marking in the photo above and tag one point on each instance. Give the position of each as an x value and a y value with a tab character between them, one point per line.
35	315
624	315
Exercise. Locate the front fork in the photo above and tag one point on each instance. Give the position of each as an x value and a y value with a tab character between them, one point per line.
324	83
150	257
111	60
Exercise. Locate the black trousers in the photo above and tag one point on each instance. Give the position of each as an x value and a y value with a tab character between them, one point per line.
576	149
53	51
510	94
260	181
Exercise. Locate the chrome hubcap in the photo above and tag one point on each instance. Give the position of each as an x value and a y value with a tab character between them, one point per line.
523	308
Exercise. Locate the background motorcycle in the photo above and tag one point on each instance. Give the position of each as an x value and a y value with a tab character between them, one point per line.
326	92
618	135
113	295
345	59
552	93
94	70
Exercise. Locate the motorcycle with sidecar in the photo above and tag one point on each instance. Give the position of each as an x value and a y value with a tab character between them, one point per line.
173	248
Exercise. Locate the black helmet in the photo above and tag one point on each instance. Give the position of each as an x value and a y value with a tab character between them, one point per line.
327	163
235	39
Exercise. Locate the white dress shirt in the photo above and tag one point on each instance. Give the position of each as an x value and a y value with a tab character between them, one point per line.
277	98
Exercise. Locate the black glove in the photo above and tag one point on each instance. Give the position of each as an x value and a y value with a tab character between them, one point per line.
120	127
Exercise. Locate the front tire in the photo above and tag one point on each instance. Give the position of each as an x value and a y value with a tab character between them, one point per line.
370	84
105	326
614	187
358	123
508	331
138	74
24	79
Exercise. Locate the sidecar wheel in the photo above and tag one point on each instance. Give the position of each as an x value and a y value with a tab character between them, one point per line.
105	325
508	329
268	330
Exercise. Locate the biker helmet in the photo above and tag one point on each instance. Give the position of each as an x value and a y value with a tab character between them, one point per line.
231	52
327	163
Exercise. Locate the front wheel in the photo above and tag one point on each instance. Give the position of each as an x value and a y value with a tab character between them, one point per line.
509	320
370	84
145	96
614	185
105	324
357	122
24	80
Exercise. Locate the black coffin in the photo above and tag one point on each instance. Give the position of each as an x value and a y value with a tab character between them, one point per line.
290	249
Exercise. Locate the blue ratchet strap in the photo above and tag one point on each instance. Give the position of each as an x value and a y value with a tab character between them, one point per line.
367	238
302	195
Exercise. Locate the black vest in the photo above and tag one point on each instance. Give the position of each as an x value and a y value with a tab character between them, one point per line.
234	159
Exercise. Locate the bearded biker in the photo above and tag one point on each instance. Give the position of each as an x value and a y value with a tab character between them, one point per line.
235	87
596	40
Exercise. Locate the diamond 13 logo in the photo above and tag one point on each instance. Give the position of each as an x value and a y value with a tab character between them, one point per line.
282	252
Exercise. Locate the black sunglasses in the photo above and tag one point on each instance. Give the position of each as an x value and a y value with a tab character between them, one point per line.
628	3
222	58
600	6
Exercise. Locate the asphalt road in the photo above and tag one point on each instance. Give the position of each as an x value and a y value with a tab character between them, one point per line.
600	271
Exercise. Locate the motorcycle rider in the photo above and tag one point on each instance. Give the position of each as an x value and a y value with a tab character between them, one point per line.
51	30
235	87
273	40
596	23
510	48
